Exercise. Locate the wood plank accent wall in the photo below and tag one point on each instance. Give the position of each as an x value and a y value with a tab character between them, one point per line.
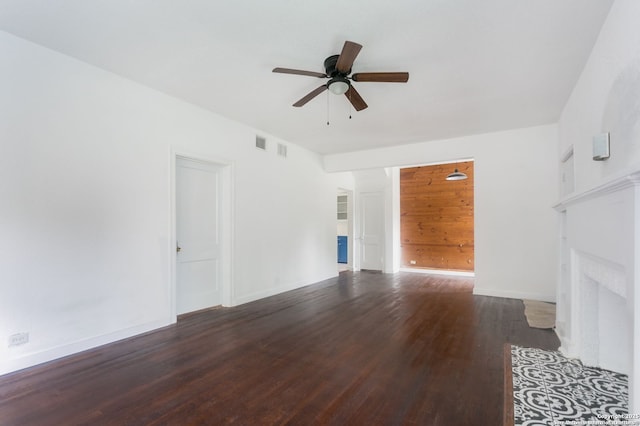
436	225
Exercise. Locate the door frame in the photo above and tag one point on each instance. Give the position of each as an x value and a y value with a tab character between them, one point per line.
226	232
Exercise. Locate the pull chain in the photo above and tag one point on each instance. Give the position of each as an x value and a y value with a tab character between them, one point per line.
327	107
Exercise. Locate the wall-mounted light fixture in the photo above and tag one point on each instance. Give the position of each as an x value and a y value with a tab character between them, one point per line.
601	147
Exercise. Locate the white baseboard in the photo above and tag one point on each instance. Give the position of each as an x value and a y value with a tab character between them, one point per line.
514	294
438	272
32	359
277	290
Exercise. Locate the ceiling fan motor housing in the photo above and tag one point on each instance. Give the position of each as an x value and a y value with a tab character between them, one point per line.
330	67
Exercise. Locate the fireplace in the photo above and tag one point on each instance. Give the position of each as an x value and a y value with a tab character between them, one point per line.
605	327
596	298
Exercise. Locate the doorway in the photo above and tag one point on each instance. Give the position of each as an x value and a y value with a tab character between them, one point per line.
202	217
344	230
437	217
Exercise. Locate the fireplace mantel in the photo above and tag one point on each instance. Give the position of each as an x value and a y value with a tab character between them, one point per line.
613	184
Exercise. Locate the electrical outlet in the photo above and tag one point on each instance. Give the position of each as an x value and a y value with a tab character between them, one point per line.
412	262
18	339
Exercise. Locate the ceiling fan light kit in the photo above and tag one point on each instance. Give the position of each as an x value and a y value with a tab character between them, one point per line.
338	85
337	70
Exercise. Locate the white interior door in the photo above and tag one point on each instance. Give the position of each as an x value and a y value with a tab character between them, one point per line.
198	266
372	231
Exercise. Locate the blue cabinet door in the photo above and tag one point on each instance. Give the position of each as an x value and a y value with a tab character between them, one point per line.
342	249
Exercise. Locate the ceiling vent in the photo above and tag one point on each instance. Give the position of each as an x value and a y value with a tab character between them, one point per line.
261	143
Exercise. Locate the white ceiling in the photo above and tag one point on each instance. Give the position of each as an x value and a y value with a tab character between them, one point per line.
475	66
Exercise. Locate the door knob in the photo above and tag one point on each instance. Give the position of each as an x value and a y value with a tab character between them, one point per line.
178	248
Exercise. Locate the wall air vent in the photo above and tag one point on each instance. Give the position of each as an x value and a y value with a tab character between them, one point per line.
261	143
282	150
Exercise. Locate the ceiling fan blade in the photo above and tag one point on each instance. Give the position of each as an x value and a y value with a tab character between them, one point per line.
299	72
356	100
381	77
310	96
349	52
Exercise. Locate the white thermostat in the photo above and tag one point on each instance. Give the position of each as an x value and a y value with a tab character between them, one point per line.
601	147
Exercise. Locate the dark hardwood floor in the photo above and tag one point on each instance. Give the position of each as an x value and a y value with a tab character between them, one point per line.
360	349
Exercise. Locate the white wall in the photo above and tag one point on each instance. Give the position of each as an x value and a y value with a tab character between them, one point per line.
85	205
606	98
515	189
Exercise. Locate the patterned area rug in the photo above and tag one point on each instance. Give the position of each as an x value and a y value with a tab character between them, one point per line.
552	390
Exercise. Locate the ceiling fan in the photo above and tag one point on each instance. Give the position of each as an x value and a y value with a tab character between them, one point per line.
337	70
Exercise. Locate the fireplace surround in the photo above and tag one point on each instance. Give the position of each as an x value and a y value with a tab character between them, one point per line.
599	274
